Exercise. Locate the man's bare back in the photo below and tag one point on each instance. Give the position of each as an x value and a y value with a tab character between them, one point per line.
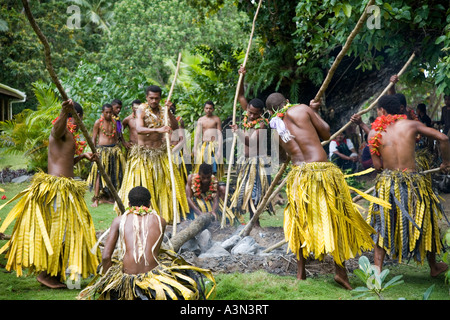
152	245
308	128
397	148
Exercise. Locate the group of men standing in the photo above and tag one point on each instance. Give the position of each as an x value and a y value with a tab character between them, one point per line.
320	218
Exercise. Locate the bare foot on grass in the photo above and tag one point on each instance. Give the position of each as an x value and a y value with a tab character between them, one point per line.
49	281
438	268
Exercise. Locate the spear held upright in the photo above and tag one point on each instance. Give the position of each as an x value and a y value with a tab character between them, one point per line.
54	77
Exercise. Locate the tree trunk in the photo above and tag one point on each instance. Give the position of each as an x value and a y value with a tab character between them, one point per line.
195	226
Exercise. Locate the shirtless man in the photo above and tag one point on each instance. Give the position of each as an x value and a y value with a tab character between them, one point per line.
197	196
141	269
312	177
149	158
208	141
393	151
253	177
57	196
105	137
154	227
130	123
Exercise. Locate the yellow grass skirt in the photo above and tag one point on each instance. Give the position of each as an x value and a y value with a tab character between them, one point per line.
149	168
252	184
114	161
207	154
54	230
410	228
172	279
320	217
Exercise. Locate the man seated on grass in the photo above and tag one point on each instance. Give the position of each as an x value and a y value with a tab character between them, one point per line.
135	267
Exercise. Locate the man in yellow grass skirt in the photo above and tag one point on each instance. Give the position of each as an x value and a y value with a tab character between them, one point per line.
134	266
320	217
253	179
410	228
208	141
205	195
148	163
54	232
106	137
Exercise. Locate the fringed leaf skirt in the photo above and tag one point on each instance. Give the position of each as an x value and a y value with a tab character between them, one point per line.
114	161
252	184
172	279
410	228
54	231
320	217
149	168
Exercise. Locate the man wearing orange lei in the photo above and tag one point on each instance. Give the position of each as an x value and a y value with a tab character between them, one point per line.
410	228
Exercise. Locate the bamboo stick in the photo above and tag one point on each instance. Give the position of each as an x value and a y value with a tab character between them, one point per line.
343	51
54	77
267	198
169	151
373	104
234	116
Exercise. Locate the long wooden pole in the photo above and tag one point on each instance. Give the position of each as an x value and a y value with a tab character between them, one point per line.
227	188
343	51
267	197
319	94
169	151
54	77
374	103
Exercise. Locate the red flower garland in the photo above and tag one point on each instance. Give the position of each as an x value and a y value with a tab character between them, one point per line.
255	123
379	125
79	145
196	188
103	129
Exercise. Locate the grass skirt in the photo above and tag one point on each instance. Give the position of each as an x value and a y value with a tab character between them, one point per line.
53	230
410	228
172	279
320	217
252	184
149	168
207	154
113	160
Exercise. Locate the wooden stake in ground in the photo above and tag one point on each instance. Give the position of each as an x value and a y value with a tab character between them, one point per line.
373	104
267	197
169	151
319	94
54	77
227	188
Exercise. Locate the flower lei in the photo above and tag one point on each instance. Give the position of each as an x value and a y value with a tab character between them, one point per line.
79	145
281	112
140	211
379	125
113	133
255	123
196	188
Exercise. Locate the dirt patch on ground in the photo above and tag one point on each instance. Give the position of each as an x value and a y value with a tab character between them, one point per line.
279	261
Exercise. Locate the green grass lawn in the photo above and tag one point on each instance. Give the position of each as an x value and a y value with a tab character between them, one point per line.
259	285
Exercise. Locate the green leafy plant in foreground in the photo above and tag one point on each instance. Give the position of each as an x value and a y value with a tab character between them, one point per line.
373	279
